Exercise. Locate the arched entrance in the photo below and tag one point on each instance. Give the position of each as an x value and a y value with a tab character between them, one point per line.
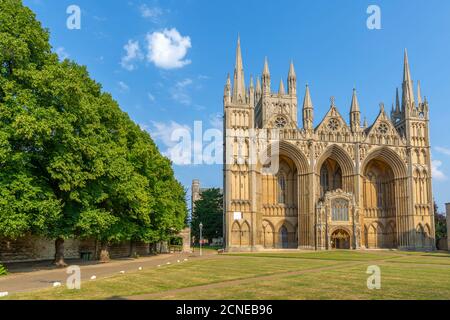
340	239
379	197
284	239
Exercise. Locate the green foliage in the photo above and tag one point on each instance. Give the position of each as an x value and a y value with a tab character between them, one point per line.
209	211
3	271
440	222
71	162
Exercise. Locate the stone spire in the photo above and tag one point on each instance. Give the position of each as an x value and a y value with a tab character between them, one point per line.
258	90
419	94
355	104
292	80
227	90
308	110
408	92
355	114
397	102
281	90
266	78
239	82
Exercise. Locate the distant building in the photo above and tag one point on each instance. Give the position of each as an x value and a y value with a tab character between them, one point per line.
196	192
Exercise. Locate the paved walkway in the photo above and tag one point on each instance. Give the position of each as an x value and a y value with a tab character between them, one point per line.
24	278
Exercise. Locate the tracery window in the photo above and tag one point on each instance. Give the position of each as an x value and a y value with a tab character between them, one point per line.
339	210
333	124
383	128
280	122
281	189
324	180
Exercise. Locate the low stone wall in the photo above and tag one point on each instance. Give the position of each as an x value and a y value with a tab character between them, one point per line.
32	248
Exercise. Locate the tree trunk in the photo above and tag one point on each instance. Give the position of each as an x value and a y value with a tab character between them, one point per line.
104	253
133	253
59	253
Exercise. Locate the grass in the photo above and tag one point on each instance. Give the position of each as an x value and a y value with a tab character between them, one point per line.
299	275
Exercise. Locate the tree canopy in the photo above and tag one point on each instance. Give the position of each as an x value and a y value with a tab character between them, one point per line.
209	211
72	163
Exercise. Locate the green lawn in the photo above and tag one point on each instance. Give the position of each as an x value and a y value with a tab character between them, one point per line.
299	275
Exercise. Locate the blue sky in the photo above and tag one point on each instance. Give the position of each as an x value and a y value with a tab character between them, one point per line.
166	62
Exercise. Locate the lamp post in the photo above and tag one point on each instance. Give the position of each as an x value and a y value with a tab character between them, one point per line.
201	229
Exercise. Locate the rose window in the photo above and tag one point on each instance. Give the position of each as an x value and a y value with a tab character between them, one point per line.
280	122
383	128
333	124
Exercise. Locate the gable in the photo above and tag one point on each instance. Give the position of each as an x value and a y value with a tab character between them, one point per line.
333	122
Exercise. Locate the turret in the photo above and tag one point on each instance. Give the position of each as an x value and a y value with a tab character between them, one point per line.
281	90
227	91
239	81
355	114
408	102
251	93
266	78
292	80
258	91
308	111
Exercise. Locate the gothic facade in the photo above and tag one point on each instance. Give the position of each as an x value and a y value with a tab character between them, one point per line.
337	185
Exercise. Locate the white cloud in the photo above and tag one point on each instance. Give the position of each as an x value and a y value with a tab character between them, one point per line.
151	97
62	53
163	131
177	140
151	13
438	174
133	54
184	83
443	150
168	49
123	87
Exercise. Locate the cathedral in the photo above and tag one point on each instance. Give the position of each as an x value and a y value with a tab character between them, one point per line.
337	185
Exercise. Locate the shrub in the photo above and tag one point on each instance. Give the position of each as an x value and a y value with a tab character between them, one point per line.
3	270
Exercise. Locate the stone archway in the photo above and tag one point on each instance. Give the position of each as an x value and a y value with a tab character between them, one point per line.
284	237
339	167
384	198
268	234
340	239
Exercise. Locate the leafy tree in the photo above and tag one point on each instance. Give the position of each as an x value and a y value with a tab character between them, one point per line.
440	222
72	163
209	211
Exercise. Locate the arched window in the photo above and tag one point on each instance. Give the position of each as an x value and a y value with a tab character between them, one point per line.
324	179
337	179
281	189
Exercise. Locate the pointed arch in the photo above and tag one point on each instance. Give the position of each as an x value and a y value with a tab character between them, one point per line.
338	154
236	234
268	234
345	162
294	153
245	234
390	157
